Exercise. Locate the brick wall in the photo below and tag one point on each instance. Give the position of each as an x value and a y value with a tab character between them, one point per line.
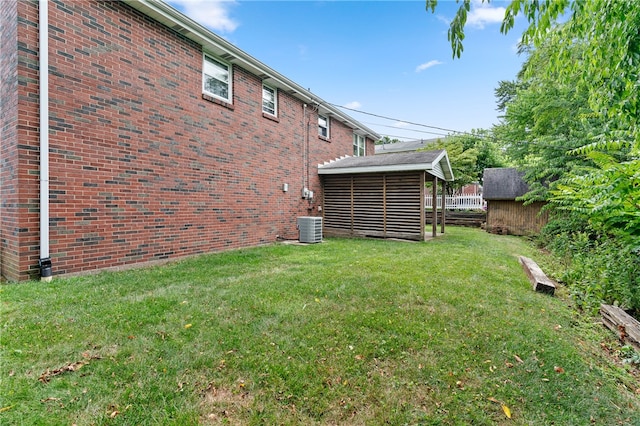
19	215
142	166
8	136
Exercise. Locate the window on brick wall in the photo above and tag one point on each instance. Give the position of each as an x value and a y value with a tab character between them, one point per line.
323	126
216	78
269	100
358	145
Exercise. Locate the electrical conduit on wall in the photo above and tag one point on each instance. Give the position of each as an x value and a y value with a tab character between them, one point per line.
43	38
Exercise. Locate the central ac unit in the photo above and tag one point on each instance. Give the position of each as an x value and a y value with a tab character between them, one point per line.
310	228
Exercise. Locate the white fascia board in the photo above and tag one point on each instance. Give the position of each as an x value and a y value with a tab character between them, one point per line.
445	165
176	20
376	169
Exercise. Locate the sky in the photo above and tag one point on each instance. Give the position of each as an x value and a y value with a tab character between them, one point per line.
389	59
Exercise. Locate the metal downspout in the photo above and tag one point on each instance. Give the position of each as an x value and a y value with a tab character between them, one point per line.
43	53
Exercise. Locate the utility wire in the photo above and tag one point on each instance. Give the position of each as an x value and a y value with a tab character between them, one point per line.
411	130
532	143
404	121
400	138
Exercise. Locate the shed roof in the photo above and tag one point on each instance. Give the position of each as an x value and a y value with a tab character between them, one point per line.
214	44
435	162
405	146
503	184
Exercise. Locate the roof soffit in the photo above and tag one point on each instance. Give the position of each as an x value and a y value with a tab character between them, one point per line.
212	43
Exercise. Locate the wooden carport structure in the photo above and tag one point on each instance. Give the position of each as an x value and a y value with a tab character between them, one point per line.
383	195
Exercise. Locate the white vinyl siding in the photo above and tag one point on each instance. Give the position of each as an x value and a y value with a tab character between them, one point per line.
216	78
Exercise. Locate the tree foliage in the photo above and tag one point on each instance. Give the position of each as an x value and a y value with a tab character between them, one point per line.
571	123
386	140
544	120
610	60
469	154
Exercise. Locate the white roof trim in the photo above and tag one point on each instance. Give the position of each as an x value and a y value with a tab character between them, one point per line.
211	42
421	167
439	166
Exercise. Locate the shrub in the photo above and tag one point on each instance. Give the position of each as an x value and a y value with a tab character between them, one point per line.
598	268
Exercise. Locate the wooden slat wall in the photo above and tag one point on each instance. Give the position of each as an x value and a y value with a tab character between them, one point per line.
512	217
336	207
378	205
368	202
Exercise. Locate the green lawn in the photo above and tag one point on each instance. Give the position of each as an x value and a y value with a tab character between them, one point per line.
344	332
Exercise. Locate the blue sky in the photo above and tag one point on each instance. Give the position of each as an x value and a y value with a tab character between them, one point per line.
388	58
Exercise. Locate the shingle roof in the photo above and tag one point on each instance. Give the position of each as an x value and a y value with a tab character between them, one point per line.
503	184
388	148
435	162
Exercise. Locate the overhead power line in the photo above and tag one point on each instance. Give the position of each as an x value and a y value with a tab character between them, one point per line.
404	138
405	121
411	130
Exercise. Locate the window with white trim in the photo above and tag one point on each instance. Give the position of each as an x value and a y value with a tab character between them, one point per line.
216	78
358	145
269	100
323	126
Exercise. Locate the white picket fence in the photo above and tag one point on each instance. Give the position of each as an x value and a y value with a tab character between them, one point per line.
458	202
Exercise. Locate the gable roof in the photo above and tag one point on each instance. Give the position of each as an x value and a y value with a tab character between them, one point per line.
435	162
503	184
405	146
214	44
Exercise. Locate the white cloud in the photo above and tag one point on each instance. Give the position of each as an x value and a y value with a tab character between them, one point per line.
353	105
426	65
482	14
441	18
213	14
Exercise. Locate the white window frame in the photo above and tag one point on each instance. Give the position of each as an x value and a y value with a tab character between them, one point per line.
265	101
326	126
210	62
359	145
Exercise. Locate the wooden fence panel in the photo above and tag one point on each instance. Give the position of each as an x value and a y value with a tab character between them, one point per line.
512	217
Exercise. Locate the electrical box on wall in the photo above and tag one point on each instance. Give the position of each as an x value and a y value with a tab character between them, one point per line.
306	194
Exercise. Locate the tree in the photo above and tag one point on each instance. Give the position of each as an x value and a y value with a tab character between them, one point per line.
571	122
545	119
386	140
469	155
463	161
596	54
610	62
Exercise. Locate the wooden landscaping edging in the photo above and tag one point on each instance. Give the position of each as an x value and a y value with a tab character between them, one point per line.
540	281
460	218
624	325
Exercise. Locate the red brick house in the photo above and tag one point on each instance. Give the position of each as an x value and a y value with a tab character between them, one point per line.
164	140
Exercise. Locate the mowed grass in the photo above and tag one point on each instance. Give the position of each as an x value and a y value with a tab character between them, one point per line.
344	332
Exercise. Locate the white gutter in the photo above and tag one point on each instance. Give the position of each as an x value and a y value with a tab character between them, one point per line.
418	167
43	38
177	21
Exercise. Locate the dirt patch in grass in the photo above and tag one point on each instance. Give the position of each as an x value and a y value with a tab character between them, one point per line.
223	405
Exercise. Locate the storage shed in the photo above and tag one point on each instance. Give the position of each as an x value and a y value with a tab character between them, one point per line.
382	195
505	213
